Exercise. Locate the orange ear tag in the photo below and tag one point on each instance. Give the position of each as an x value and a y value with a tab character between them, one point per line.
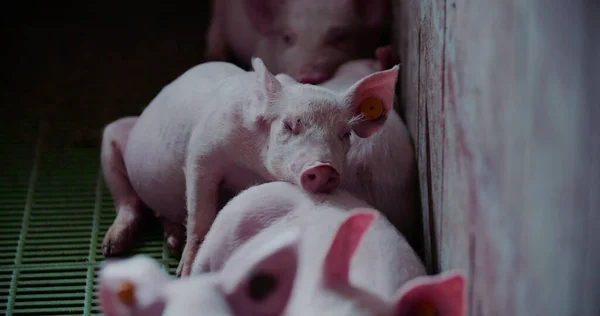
425	309
371	108
126	293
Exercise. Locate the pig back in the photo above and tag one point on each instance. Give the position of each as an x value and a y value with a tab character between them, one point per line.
157	146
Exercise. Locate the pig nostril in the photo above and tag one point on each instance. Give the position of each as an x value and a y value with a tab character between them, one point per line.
312	176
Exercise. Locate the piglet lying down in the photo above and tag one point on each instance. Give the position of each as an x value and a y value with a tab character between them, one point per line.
264	280
380	261
219	127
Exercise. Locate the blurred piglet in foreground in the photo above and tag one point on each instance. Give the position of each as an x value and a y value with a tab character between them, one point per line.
139	286
306	39
219	128
350	260
263	280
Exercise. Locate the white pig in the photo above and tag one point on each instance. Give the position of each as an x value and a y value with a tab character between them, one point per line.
217	127
383	262
385	163
138	286
262	280
306	39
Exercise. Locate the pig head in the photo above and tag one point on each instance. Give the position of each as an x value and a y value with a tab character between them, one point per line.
306	39
139	286
441	295
310	127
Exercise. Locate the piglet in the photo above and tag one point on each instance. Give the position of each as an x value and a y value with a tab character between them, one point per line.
384	164
138	286
351	260
219	128
306	39
263	280
382	263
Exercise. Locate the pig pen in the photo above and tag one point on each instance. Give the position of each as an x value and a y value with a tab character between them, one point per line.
500	98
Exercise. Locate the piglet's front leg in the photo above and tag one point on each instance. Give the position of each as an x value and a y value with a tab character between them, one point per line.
203	175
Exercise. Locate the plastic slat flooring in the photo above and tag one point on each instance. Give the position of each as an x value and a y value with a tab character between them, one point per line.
54	211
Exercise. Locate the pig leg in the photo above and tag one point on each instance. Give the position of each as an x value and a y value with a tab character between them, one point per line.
127	203
216	46
203	178
174	235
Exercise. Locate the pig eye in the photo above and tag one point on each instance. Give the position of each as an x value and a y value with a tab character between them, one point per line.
340	39
346	136
287	38
261	285
288	127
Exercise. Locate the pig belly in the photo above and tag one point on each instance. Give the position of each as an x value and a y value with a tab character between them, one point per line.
156	174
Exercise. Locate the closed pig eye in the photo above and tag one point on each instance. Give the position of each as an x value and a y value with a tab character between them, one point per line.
346	136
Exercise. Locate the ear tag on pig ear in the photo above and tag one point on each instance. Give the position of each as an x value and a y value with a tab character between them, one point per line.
425	309
371	108
126	293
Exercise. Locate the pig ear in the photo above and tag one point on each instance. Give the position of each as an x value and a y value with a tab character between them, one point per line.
371	100
262	13
271	86
264	286
385	57
132	287
442	295
346	241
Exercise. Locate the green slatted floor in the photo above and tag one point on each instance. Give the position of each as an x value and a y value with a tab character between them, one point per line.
54	211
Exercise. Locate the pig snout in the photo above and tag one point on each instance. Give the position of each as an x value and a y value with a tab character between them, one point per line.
311	75
311	78
320	179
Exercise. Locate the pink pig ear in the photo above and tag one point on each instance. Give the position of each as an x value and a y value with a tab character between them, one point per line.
262	13
264	286
441	295
346	241
271	86
131	287
371	99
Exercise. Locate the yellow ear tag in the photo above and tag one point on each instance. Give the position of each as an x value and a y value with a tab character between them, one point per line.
425	309
126	293
371	108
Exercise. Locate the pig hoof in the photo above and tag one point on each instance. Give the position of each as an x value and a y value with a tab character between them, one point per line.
174	243
116	241
174	235
120	234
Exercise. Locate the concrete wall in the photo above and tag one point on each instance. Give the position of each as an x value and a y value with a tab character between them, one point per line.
501	98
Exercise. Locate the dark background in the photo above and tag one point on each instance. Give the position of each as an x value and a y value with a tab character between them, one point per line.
70	67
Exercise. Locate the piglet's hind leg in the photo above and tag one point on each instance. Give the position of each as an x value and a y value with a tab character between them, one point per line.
174	235
127	203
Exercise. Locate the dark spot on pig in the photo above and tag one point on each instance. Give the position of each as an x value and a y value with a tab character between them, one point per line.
261	285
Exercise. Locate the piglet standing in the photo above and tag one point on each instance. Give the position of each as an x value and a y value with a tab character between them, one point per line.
219	128
346	247
306	39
